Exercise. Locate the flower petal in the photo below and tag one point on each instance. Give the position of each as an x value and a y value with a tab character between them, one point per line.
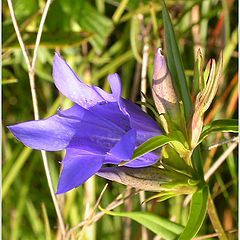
106	96
144	161
51	134
116	87
146	127
94	133
74	127
115	84
123	150
71	86
136	116
77	169
111	112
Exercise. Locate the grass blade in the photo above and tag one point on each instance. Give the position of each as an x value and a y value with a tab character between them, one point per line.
175	62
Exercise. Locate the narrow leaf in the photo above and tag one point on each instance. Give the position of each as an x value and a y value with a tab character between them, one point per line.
135	29
197	214
198	71
221	125
151	145
175	62
155	143
52	39
92	21
160	226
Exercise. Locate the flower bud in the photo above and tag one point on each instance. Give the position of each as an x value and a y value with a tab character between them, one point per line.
166	181
205	97
146	178
163	92
164	95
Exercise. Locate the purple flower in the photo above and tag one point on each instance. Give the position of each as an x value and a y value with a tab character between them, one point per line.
101	128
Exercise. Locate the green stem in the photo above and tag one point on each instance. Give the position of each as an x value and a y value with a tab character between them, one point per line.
215	220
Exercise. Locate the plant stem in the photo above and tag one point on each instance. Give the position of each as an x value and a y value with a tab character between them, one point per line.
215	220
31	73
220	160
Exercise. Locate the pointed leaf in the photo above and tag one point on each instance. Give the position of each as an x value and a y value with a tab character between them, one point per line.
151	145
175	62
52	39
197	213
93	21
135	29
221	125
155	143
160	226
198	71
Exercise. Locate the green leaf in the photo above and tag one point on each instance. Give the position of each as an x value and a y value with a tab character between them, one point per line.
198	71
151	145
197	214
142	9
197	162
24	8
114	64
221	125
52	39
135	29
157	142
229	48
8	77
93	21
119	11
160	226
175	62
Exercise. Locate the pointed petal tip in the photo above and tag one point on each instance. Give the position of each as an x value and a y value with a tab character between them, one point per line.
113	76
160	66
116	87
57	58
57	55
69	84
38	134
61	189
13	129
77	169
58	192
160	51
58	62
9	127
115	84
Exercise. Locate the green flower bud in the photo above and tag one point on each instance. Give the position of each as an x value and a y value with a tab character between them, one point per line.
205	97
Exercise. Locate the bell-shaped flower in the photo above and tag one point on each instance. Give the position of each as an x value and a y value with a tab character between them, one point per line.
101	128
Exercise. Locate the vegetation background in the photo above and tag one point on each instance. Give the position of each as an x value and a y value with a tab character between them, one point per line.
98	38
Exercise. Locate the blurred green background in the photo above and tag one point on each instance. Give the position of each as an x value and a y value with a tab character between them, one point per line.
98	38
